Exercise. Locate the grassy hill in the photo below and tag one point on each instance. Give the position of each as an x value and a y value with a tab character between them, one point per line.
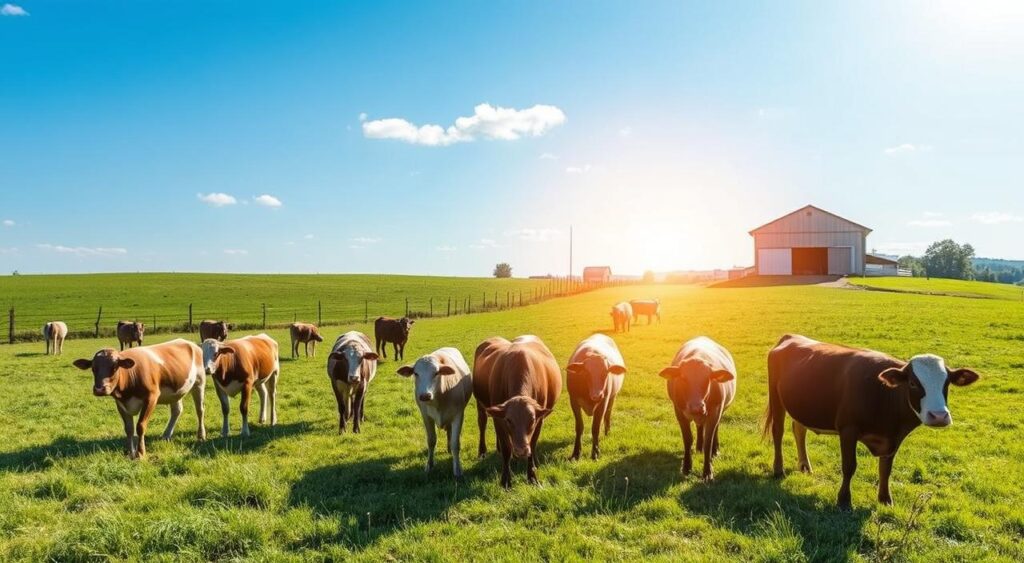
937	286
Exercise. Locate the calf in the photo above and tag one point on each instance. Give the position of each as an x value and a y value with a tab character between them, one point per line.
395	331
701	385
217	330
54	333
241	365
648	307
523	384
622	314
130	333
141	378
861	395
443	388
351	366
594	378
304	333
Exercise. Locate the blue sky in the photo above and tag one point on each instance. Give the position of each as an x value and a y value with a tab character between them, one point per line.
662	132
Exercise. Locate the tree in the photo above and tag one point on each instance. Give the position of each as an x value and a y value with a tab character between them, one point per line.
912	263
947	259
649	276
503	270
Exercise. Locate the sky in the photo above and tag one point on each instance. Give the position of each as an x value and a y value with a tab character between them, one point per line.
407	137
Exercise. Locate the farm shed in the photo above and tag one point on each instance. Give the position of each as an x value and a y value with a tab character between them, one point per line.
810	242
880	266
597	274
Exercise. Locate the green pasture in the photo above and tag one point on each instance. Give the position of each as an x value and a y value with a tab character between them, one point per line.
938	286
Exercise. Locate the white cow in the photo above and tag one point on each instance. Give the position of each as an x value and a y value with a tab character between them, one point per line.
351	366
595	374
55	332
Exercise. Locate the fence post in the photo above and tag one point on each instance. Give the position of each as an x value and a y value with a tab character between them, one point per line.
190	317
154	323
449	306
431	307
319	313
366	311
407	306
99	315
10	326
264	316
508	299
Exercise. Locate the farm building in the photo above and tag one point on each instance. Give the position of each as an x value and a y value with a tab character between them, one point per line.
810	242
597	274
878	265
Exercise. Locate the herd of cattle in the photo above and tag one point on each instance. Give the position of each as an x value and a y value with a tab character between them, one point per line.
860	395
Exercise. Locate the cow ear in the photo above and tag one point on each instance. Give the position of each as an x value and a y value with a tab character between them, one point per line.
336	356
446	370
497	411
893	377
405	371
722	376
412	322
575	367
669	372
126	363
543	413
963	377
82	364
225	350
616	369
370	356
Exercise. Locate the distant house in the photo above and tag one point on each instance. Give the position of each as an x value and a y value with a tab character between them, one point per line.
810	242
597	274
878	265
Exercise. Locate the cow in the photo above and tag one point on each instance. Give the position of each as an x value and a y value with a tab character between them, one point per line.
239	366
141	378
304	333
523	382
701	383
54	332
622	315
218	330
130	333
395	331
594	378
443	386
860	395
351	367
647	307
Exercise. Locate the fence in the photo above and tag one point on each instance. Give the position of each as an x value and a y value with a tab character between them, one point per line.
26	326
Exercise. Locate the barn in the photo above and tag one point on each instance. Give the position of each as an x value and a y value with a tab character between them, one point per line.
810	242
597	274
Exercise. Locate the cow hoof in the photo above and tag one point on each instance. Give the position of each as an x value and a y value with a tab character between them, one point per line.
887	501
708	477
779	474
595	455
459	478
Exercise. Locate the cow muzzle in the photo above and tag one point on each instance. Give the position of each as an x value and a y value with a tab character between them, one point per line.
521	452
100	391
938	419
426	397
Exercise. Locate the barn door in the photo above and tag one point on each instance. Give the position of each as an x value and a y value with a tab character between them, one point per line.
840	261
775	262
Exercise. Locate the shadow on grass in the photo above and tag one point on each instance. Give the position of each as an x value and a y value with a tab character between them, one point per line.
626	482
260	436
29	354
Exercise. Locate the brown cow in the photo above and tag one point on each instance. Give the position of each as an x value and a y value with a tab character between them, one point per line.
241	365
861	395
217	330
701	383
141	378
304	333
523	383
351	367
395	331
55	332
648	307
594	378
130	333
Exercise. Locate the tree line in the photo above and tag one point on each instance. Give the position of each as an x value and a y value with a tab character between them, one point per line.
948	259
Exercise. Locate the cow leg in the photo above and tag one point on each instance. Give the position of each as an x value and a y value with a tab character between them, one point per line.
579	429
800	436
261	390
357	408
608	415
272	395
778	415
595	429
684	427
428	425
295	348
394	345
60	346
710	439
198	393
481	422
884	470
531	467
848	449
314	348
505	449
175	413
140	427
243	406
700	437
129	431
47	347
225	409
342	403
383	349
455	443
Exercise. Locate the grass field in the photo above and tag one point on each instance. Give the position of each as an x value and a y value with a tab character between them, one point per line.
937	286
301	492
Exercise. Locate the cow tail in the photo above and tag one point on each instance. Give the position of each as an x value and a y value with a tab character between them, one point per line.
774	400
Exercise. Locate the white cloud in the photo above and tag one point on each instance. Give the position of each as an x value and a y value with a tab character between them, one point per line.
548	156
217	199
485	243
8	250
362	116
310	236
9	223
12	10
906	148
534	235
487	122
267	200
235	252
356	246
933	222
446	248
579	169
772	114
996	218
83	251
932	214
902	248
365	240
626	132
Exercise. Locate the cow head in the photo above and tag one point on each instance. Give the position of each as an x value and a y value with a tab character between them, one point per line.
105	365
314	333
349	360
428	372
406	324
213	349
519	416
137	330
926	379
595	368
221	329
689	384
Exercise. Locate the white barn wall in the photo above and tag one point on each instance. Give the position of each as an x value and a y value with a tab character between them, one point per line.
818	229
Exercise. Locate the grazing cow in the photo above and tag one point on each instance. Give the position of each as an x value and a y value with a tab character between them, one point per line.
351	367
861	395
647	307
141	378
701	383
54	333
304	333
523	383
217	330
443	388
395	331
594	378
622	315
241	365
130	333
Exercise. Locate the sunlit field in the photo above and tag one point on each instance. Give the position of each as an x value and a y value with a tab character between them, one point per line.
938	286
300	491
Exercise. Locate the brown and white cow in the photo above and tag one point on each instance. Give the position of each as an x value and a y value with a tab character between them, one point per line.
523	382
861	395
217	330
54	332
305	333
395	331
130	333
443	386
701	383
646	307
241	365
141	378
622	316
594	378
351	367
